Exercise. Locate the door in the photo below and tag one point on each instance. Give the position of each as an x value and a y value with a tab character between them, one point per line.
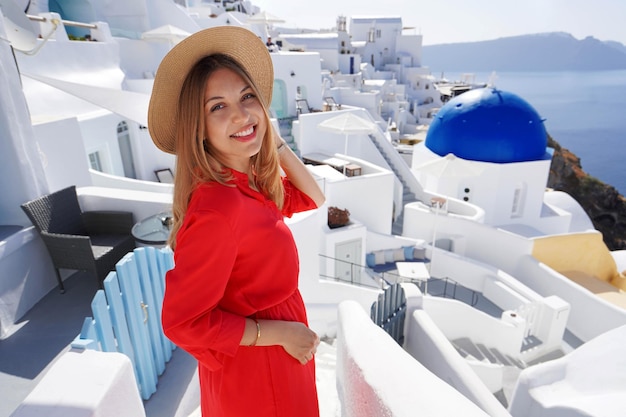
279	100
347	260
126	151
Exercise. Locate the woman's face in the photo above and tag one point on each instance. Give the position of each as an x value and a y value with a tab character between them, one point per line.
234	119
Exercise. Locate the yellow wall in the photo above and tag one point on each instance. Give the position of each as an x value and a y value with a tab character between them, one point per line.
576	254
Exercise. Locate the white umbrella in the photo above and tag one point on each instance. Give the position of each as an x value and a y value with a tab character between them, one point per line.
450	166
265	18
348	123
165	33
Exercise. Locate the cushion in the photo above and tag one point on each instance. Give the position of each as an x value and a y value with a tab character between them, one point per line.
398	255
419	254
389	256
408	253
370	260
379	257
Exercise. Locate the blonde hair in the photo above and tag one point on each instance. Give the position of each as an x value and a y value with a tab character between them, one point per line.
196	162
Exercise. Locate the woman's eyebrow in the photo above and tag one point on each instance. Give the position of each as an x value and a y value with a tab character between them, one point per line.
246	87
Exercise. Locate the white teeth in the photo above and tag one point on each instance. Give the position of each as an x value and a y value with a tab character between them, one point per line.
245	132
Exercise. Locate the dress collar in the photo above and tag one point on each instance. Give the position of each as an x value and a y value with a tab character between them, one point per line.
238	175
241	180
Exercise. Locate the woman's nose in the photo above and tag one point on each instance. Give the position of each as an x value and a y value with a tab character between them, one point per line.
240	112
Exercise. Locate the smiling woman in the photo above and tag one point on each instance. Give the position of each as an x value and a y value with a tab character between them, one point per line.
232	299
234	118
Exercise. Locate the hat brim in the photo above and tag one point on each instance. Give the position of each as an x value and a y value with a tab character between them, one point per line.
239	43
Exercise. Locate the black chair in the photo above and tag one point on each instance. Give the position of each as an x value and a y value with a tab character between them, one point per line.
91	241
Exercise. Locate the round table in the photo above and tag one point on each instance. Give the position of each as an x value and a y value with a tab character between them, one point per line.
153	230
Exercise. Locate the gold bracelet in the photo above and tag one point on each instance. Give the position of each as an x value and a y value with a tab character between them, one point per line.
280	147
258	333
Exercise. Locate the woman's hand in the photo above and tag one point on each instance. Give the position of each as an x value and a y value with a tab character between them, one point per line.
296	338
300	341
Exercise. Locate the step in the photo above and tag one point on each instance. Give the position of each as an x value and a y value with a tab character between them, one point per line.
530	342
466	347
480	352
486	353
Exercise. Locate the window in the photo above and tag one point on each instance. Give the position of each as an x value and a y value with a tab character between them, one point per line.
126	151
517	208
94	161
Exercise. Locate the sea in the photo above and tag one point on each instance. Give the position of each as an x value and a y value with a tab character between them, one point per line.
584	111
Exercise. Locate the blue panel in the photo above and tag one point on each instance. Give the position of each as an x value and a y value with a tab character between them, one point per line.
158	287
118	317
103	324
166	262
131	322
153	309
87	339
134	305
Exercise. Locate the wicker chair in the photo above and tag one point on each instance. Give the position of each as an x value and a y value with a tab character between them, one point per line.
91	241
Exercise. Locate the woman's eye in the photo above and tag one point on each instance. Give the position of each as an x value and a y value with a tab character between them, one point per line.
217	107
248	96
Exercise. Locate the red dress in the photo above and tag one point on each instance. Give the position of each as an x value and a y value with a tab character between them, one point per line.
236	258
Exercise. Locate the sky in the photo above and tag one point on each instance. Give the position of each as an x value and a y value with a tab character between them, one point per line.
449	21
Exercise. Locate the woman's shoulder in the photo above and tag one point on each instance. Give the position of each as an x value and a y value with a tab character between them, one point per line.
215	196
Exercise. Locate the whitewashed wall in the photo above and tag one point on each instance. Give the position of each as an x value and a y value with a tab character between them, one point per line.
376	377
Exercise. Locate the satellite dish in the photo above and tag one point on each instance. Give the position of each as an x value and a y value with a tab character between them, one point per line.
18	27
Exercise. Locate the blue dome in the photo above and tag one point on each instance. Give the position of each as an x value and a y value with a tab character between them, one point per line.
488	125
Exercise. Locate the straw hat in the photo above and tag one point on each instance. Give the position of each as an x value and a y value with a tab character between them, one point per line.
239	43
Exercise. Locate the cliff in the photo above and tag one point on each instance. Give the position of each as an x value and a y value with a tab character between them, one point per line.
602	202
555	51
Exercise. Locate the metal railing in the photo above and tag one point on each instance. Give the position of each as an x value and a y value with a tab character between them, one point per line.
354	275
65	22
448	288
437	287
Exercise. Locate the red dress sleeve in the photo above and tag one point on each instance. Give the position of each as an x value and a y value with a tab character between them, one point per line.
295	200
192	318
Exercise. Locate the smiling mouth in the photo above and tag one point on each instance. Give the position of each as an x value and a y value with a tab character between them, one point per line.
244	133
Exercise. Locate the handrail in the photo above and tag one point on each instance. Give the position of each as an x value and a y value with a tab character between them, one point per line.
65	22
455	285
421	284
352	279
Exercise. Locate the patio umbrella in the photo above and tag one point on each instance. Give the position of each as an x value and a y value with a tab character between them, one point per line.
165	33
348	124
265	18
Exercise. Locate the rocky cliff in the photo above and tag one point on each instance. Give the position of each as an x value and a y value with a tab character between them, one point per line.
554	51
602	202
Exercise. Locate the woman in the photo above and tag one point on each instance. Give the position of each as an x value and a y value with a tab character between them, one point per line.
232	299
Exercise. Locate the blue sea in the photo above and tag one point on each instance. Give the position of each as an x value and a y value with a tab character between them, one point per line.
584	112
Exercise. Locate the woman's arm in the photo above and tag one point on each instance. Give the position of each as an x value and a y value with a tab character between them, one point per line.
297	172
297	339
